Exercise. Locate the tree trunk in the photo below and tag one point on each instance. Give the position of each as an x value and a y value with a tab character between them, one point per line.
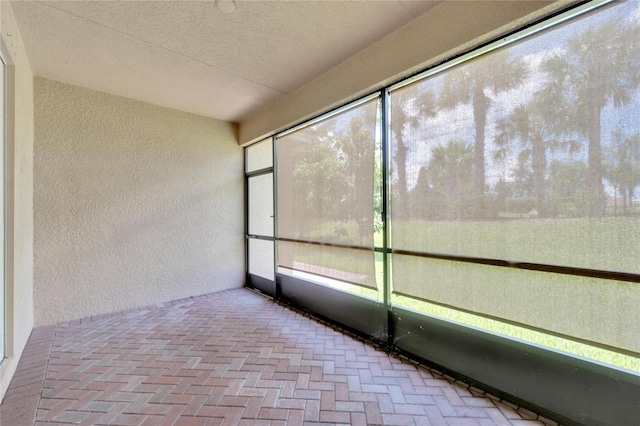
539	166
452	194
401	162
595	189
480	109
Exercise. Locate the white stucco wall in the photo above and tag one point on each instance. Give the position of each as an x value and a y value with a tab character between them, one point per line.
19	201
134	204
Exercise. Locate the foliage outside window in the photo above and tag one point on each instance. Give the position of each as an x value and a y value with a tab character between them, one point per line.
325	185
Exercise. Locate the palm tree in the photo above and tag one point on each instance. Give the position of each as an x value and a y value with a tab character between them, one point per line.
356	142
450	168
473	83
408	108
536	126
623	168
319	179
600	67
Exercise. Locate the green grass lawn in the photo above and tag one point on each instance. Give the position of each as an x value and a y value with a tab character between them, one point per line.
608	243
569	346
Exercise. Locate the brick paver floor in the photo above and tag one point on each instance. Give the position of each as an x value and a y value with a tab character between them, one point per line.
230	358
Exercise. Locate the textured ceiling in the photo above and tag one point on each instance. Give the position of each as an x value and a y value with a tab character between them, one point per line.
191	56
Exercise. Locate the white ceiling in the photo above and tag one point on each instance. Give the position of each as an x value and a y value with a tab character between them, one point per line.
191	56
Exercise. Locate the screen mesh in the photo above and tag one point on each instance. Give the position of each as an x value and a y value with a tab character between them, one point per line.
595	310
259	156
260	198
325	186
338	263
527	153
261	258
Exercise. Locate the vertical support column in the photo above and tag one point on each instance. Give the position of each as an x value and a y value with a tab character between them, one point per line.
246	220
257	232
274	151
386	236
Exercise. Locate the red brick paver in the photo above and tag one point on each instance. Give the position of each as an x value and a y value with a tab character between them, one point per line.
229	358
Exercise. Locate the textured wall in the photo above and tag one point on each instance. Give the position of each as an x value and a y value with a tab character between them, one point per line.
134	203
19	201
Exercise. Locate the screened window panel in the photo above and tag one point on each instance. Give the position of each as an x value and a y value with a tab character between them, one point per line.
261	258
325	184
596	310
354	266
259	156
261	205
528	153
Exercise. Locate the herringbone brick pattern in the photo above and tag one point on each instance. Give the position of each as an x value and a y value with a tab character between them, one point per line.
235	358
